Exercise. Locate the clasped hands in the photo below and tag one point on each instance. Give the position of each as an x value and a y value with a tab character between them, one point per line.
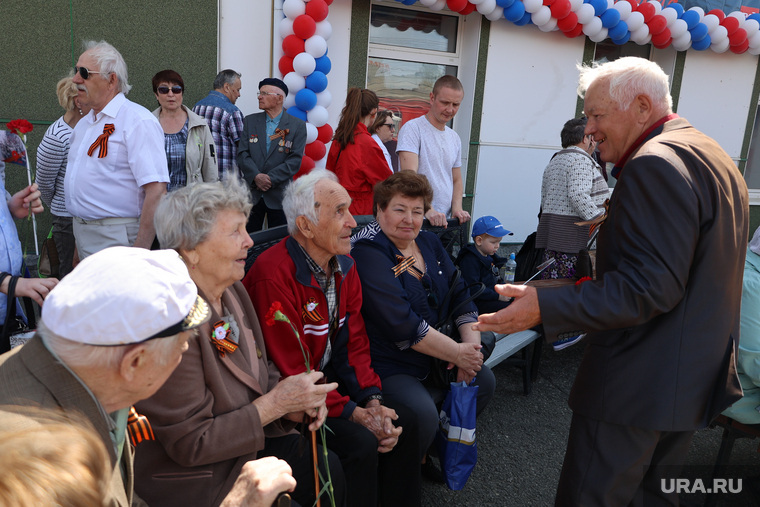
379	420
302	394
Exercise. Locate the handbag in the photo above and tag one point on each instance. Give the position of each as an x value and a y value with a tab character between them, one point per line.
528	258
15	330
457	448
440	376
48	263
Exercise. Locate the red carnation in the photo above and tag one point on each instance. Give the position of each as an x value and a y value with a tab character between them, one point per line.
270	316
19	127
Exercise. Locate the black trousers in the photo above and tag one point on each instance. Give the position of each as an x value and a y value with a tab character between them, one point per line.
356	447
610	464
260	210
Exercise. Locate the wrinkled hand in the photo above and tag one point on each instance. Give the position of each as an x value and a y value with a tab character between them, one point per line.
463	376
263	182
24	201
437	219
461	215
523	313
469	359
301	393
379	420
259	483
317	415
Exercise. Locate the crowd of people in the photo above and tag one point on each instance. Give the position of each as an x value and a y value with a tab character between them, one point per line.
186	380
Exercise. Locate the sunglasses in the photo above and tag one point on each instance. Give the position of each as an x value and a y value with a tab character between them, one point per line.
391	126
427	284
163	90
84	72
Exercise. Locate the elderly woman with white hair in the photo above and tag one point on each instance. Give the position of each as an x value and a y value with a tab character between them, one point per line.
225	404
52	154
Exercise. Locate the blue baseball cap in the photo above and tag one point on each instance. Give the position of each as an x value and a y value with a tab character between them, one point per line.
489	225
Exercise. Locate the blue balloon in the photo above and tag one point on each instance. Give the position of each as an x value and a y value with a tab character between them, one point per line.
323	64
297	112
316	82
515	12
691	18
676	7
619	31
504	4
610	18
600	6
625	38
524	20
755	16
698	32
306	99
408	2
701	45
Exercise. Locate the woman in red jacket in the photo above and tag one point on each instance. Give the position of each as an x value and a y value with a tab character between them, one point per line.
354	156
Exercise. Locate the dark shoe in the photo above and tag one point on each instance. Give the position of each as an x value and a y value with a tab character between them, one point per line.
567	342
432	473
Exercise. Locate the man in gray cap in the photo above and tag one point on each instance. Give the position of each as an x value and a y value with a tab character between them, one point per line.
110	335
269	153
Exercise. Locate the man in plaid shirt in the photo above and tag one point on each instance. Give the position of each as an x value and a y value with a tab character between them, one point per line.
224	118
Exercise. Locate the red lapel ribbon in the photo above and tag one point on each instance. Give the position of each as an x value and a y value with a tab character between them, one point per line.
138	427
102	141
279	133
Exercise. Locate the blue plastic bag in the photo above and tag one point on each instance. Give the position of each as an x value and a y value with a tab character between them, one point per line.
457	449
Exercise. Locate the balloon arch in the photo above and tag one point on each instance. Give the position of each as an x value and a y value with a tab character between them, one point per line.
305	31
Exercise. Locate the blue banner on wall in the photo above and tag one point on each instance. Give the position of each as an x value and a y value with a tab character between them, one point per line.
727	6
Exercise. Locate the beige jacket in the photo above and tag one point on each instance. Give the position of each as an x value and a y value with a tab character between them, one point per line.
200	152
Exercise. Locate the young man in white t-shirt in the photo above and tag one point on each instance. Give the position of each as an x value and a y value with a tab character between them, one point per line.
426	145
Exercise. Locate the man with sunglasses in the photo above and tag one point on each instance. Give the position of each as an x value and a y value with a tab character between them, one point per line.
117	169
269	153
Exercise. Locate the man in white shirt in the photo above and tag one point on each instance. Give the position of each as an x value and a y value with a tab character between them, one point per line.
426	145
117	169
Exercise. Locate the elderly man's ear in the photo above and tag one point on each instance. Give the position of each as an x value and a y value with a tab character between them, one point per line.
305	227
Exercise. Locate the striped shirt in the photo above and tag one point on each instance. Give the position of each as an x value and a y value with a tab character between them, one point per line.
52	154
176	145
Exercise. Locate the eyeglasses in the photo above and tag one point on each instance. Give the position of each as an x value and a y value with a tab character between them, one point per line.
391	126
84	72
264	94
163	90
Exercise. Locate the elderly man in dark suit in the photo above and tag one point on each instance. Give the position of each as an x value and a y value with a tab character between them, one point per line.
662	317
269	153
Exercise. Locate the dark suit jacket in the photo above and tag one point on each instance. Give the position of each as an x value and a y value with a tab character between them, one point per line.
663	314
281	166
31	376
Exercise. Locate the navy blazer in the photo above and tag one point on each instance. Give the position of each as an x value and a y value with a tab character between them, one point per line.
253	157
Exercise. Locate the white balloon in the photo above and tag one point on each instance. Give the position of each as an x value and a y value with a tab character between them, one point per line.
532	5
585	13
599	37
549	26
657	6
575	5
719	35
610	4
476	2
712	22
289	101
427	3
740	16
286	27
438	5
624	8
294	82
317	116
754	41
592	27
324	98
679	28
640	34
541	16
324	29
496	14
304	64
486	6
635	21
720	47
643	42
700	11
753	51
669	14
293	8
316	46
751	26
683	42
311	133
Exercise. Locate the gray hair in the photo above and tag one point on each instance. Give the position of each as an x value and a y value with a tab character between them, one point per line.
227	76
185	217
573	132
298	198
110	62
76	354
628	77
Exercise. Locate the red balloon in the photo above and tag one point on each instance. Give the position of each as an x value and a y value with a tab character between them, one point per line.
467	9
662	39
738	37
315	150
456	5
325	133
317	9
329	2
304	26
568	23
647	10
634	5
719	13
285	65
731	24
575	32
292	45
657	24
741	48
307	164
560	9
549	2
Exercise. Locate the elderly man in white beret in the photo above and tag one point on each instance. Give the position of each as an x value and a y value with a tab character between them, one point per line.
110	334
